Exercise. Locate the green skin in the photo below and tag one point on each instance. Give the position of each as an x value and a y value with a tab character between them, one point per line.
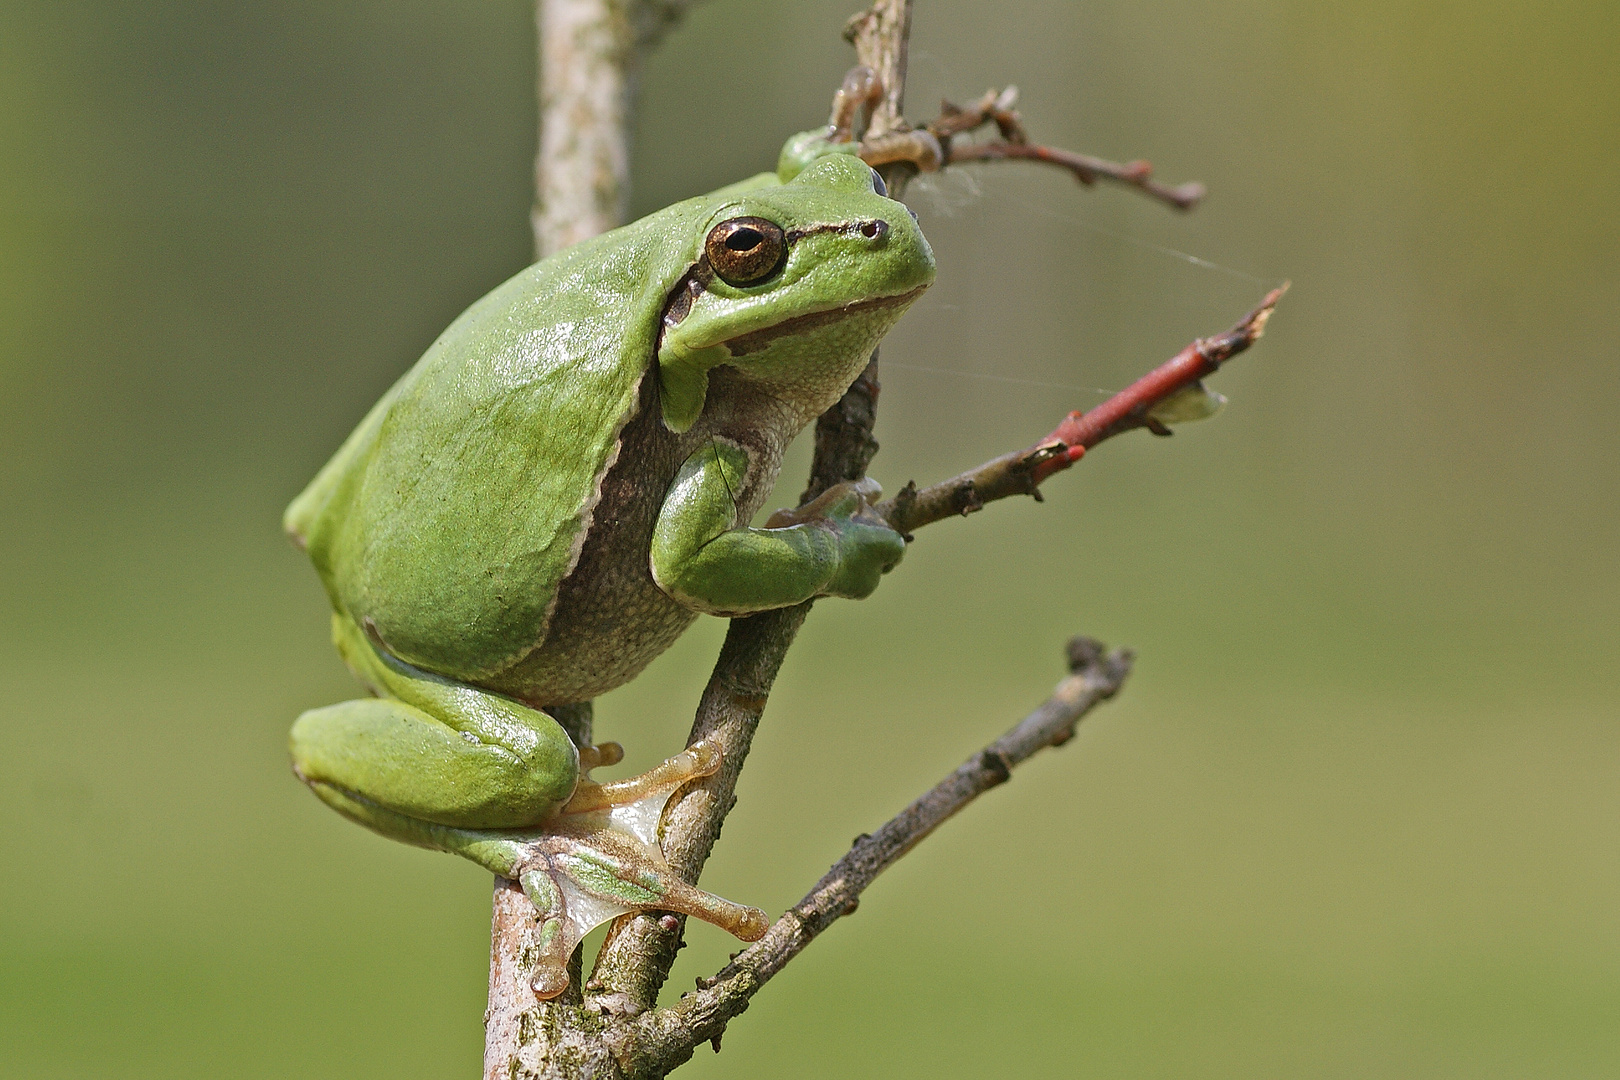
564	481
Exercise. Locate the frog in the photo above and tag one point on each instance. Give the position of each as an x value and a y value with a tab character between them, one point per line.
558	488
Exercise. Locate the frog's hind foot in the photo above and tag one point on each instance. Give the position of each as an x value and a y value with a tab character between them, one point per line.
599	858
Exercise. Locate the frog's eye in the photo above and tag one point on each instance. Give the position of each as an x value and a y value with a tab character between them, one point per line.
746	250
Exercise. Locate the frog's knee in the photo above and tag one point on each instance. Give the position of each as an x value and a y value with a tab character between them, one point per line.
404	760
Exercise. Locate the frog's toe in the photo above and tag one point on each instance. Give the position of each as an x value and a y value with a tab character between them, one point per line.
560	931
600	756
655	785
550	978
600	858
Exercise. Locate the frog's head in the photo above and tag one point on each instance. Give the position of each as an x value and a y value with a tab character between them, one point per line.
793	285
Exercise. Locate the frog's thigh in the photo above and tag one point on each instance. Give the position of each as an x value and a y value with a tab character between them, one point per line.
701	558
402	759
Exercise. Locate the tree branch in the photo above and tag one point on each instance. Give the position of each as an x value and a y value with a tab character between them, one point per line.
635	959
997	108
1086	169
881	36
609	1026
882	39
636	962
1022	472
664	1039
935	146
844	443
587	66
589	61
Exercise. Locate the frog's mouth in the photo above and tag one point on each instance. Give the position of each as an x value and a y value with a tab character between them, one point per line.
758	340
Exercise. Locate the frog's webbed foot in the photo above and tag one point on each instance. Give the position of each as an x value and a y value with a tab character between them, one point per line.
599	858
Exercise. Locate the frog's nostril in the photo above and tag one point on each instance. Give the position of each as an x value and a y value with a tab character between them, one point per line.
875	230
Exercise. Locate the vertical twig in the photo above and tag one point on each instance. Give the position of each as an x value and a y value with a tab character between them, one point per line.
589	62
882	37
582	168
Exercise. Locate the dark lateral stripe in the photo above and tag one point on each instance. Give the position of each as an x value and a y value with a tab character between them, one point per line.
793	235
753	342
679	304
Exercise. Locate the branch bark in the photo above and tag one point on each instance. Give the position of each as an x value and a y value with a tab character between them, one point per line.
610	1027
1084	167
882	39
664	1039
582	168
635	962
590	55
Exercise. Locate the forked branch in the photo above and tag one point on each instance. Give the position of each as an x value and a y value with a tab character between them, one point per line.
937	144
664	1039
610	1027
636	959
996	107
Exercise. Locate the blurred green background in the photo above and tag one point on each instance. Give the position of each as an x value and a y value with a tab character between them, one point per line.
1358	811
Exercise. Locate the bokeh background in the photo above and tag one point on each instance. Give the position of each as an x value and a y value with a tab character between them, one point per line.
1358	811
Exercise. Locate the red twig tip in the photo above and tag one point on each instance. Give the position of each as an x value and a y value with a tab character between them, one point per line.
1129	408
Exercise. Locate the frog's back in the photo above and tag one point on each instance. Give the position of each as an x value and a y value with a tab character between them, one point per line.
448	519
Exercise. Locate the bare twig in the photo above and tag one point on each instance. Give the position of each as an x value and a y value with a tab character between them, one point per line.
882	39
663	1039
610	1027
1086	169
996	107
1021	472
844	442
651	19
589	61
582	169
935	146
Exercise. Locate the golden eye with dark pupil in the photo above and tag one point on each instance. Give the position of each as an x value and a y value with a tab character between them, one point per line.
745	250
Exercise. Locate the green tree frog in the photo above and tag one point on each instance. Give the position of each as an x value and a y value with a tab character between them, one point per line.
553	493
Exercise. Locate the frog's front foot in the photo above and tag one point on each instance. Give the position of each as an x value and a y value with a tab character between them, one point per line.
599	858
